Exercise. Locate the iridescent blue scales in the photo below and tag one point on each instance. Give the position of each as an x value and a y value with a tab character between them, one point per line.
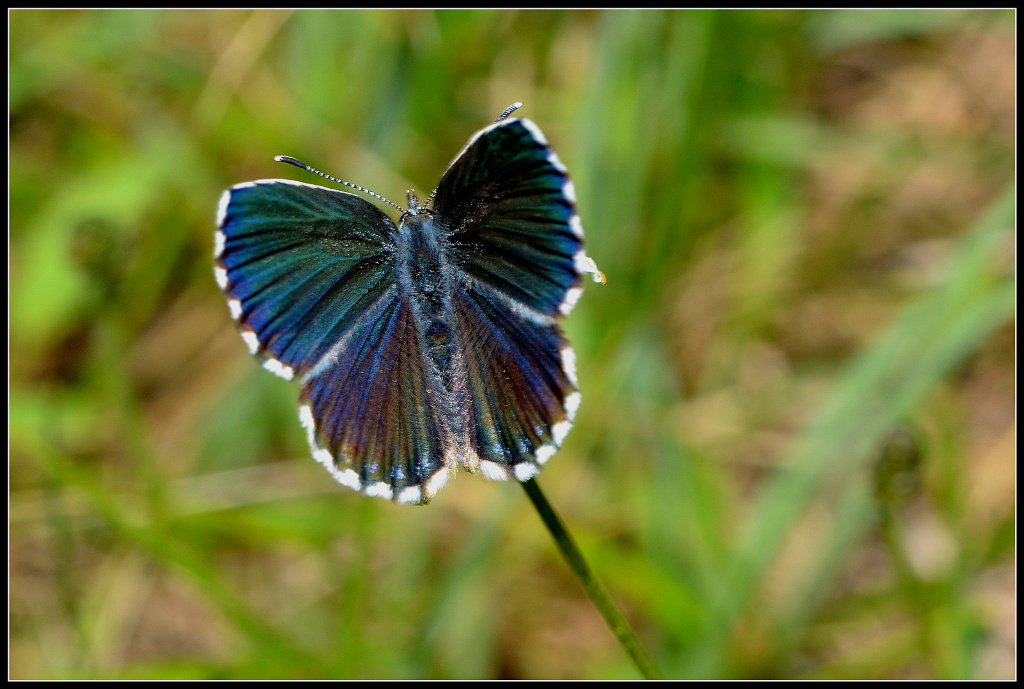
427	345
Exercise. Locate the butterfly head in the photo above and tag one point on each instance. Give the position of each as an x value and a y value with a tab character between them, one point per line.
414	204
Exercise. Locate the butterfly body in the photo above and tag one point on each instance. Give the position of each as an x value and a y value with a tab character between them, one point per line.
428	280
421	346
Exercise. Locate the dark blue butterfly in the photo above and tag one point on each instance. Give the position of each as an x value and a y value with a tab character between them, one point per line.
429	344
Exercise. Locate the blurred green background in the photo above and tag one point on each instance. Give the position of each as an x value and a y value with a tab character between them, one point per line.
795	454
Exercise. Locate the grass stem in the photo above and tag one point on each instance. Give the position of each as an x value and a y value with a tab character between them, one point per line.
593	586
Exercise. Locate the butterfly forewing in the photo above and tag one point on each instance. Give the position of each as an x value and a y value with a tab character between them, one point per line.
299	263
509	207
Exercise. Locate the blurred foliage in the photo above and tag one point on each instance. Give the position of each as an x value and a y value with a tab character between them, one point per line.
795	454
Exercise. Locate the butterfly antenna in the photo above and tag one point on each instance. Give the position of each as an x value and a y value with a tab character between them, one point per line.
509	110
299	163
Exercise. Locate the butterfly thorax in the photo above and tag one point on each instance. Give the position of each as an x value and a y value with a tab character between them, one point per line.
424	271
426	278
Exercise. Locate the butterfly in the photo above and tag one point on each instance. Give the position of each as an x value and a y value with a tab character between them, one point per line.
426	345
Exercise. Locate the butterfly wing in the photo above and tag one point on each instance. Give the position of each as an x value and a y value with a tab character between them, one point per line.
514	237
370	417
521	376
300	264
510	208
310	276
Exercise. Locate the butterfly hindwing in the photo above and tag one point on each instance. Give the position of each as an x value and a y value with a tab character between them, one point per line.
510	210
522	383
370	417
299	263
